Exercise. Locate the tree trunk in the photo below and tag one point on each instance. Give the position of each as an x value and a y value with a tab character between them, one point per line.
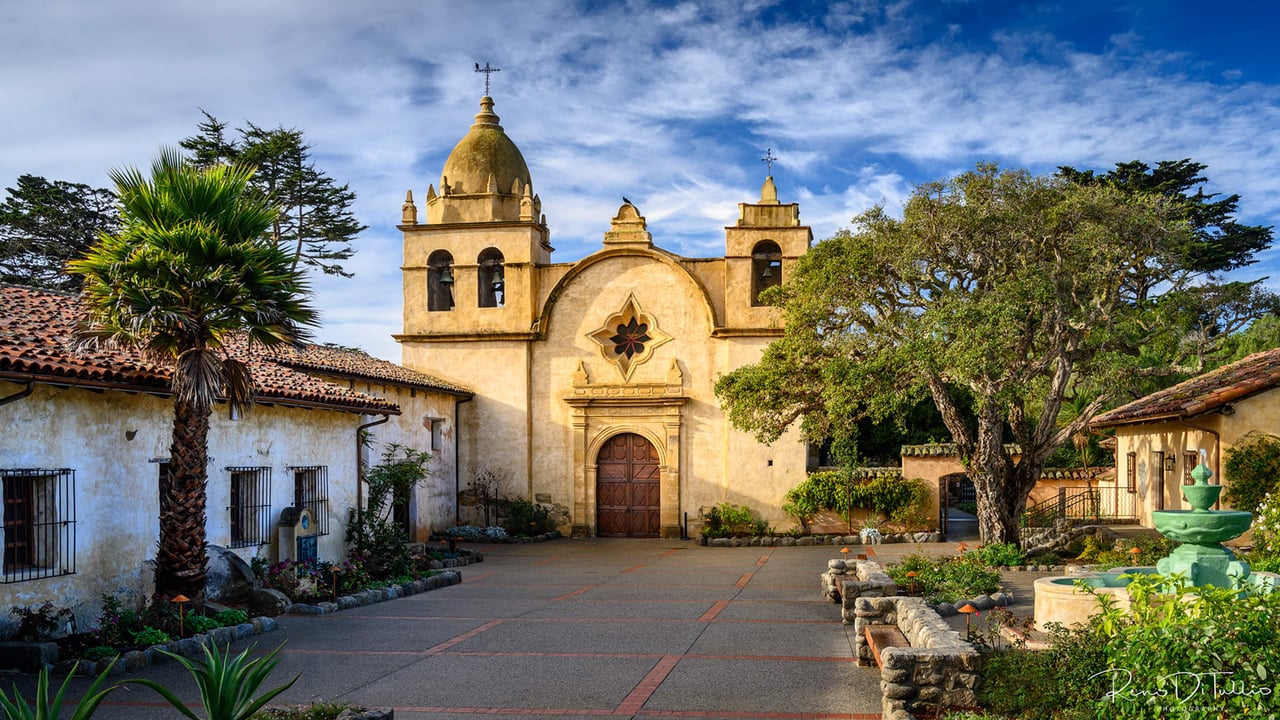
1002	498
180	558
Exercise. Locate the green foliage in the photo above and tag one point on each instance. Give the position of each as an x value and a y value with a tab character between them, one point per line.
942	579
843	491
149	636
999	555
40	623
1174	628
42	707
200	623
317	223
1119	554
231	617
729	520
227	684
526	518
98	653
1252	467
1021	683
373	534
44	224
1011	290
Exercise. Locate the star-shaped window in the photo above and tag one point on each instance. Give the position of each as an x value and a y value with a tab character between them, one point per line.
629	337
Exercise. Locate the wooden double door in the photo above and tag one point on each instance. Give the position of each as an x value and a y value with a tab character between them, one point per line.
628	488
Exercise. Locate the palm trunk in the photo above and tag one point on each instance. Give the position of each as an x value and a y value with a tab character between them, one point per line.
180	559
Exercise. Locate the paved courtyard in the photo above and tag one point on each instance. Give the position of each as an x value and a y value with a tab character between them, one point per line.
623	628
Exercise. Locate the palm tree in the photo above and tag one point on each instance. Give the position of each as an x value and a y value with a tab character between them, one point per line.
190	275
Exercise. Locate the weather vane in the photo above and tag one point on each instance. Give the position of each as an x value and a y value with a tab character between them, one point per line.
767	159
487	70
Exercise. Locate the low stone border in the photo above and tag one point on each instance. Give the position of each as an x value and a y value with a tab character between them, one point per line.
847	580
187	647
939	669
367	714
807	540
377	595
870	580
508	540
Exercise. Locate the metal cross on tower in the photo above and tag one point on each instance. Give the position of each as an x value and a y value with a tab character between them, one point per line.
487	70
768	160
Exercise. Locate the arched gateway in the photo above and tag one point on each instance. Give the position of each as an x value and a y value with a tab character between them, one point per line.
628	488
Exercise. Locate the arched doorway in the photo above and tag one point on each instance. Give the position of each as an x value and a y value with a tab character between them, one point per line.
628	490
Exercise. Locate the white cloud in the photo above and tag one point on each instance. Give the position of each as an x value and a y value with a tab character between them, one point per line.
670	105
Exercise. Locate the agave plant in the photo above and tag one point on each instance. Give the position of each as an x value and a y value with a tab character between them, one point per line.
17	708
227	684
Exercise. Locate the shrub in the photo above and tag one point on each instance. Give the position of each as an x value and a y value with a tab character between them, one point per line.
41	623
473	532
201	624
231	617
98	653
729	520
900	499
1001	555
526	518
945	579
148	636
227	684
1252	467
372	533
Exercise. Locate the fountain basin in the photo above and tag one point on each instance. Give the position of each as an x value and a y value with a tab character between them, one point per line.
1201	526
1058	600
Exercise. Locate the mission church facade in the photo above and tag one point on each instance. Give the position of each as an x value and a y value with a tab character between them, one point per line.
594	379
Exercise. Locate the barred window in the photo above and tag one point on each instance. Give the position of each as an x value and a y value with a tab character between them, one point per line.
1190	458
250	507
311	491
39	523
1131	472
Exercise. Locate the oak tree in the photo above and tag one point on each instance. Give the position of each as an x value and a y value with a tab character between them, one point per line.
1004	289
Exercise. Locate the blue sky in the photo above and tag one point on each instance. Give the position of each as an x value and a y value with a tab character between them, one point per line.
669	103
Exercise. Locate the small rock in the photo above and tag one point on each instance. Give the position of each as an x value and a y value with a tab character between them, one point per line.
1002	598
804	541
946	609
983	603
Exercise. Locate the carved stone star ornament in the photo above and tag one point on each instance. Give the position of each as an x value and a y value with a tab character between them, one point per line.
629	337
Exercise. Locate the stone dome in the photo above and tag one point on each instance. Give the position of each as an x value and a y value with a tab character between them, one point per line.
485	150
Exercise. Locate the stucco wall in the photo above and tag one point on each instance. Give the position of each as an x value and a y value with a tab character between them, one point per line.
115	442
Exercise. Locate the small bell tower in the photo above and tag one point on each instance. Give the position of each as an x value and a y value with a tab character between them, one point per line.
760	251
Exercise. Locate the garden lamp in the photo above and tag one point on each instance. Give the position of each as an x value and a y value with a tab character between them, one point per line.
912	574
969	611
335	571
1135	551
180	600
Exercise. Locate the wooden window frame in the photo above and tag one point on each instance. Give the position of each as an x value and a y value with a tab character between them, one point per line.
39	520
1131	472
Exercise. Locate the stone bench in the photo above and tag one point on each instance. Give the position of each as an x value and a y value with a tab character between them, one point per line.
935	668
884	636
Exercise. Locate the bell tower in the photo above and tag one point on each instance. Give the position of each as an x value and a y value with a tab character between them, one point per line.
759	252
469	268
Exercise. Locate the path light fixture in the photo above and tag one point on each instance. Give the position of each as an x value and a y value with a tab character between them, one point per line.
962	547
969	611
912	575
334	571
1135	551
181	600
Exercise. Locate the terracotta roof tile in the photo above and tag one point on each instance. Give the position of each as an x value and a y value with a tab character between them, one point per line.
356	363
1201	394
37	334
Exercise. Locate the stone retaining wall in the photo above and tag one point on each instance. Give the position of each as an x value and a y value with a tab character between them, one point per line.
847	580
939	670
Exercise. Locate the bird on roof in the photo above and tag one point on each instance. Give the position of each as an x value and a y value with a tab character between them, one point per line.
625	200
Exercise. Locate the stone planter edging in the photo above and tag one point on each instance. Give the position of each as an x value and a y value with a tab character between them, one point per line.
808	540
187	647
377	595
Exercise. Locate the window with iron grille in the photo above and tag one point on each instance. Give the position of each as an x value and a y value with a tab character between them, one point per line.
1190	458
39	523
1131	473
311	491
250	507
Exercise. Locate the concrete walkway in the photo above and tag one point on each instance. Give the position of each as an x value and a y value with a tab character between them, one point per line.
622	628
